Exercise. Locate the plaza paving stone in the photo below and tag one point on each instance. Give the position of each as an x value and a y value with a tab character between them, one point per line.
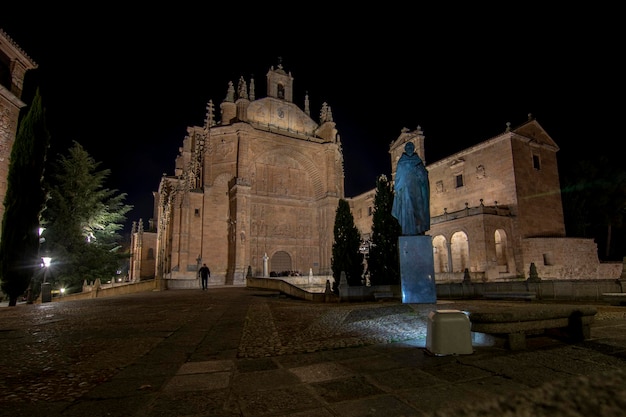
235	351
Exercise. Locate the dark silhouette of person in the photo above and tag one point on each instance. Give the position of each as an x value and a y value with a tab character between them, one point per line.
411	201
204	272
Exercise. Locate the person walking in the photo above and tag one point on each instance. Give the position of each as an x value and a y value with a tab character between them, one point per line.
204	273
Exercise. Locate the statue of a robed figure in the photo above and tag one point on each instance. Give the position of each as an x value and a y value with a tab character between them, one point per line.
411	202
411	207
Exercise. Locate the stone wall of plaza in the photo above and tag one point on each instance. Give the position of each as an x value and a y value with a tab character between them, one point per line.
14	63
568	258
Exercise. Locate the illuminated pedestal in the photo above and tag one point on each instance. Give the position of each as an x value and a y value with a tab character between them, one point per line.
449	333
417	269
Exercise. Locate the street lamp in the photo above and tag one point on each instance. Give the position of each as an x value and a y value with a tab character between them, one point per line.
46	287
46	264
31	292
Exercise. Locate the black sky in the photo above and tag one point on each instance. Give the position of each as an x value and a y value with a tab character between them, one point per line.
127	85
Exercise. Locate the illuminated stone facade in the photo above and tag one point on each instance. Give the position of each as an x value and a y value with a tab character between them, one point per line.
263	181
261	186
495	209
13	66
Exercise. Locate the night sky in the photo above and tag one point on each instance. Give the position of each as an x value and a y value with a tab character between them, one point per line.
126	85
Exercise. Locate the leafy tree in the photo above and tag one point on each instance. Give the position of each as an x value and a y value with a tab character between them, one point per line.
347	241
24	202
594	204
82	221
384	258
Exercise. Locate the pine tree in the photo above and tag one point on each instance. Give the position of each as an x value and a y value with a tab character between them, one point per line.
384	260
347	241
82	220
24	201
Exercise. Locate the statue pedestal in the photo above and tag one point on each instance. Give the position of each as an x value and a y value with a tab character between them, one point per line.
417	269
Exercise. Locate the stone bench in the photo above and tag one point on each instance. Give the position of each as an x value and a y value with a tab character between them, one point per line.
515	322
511	295
615	298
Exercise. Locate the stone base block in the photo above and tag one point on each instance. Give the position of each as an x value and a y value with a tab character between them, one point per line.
449	333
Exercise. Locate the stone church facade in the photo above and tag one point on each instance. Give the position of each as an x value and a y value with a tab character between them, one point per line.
14	63
258	189
255	193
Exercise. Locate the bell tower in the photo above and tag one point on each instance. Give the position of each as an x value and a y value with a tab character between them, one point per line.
280	83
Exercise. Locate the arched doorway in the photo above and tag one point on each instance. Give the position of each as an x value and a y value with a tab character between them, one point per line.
459	248
501	250
440	254
280	262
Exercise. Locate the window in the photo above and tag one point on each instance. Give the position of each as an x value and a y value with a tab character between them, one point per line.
439	186
197	212
536	162
459	180
547	259
369	211
281	91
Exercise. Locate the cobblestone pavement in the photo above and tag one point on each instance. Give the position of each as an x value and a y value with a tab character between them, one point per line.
240	352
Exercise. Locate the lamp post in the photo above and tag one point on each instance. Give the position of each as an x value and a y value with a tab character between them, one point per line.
46	287
32	290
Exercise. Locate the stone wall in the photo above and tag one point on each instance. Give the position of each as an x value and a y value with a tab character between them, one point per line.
567	258
557	290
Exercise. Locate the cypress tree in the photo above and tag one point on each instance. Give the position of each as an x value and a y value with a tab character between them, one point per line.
24	202
347	241
384	260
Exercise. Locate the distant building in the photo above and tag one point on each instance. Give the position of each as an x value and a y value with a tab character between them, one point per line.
262	184
14	63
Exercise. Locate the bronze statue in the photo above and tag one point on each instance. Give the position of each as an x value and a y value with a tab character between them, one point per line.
411	202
